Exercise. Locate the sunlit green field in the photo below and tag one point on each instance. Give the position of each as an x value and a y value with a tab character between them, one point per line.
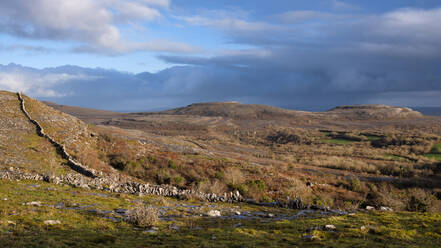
23	225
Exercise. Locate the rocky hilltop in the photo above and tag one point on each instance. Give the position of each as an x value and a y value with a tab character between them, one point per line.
375	111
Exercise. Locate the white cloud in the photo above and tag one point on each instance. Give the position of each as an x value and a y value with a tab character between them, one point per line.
37	84
413	24
92	23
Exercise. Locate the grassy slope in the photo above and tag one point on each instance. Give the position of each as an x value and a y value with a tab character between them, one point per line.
20	146
69	131
81	228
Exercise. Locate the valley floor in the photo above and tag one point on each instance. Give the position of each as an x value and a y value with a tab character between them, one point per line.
39	214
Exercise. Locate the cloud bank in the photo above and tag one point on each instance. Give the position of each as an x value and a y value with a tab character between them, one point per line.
93	24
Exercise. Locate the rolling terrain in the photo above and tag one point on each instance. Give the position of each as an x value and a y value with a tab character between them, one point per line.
282	148
217	175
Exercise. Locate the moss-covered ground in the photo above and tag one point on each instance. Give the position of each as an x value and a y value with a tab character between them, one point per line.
23	225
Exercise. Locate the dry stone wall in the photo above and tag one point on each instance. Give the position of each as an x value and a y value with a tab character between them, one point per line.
108	184
60	148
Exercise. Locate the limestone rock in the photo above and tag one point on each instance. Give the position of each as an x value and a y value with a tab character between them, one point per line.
52	222
33	203
214	213
330	227
382	208
370	208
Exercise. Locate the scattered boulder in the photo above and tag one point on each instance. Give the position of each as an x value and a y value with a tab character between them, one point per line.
214	213
329	227
152	230
370	208
52	222
33	203
382	208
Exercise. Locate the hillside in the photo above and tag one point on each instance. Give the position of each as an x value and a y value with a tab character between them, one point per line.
233	110
20	146
232	171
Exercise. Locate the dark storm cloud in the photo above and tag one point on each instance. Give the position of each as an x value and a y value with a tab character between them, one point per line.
324	57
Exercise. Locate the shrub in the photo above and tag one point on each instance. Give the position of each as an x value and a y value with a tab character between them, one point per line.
220	175
253	188
419	200
214	186
172	164
163	177
234	176
151	159
117	161
143	216
355	185
179	180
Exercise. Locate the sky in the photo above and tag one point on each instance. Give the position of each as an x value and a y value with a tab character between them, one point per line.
143	55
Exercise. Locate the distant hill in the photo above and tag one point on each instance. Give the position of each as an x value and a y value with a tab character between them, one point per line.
375	111
237	110
233	110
